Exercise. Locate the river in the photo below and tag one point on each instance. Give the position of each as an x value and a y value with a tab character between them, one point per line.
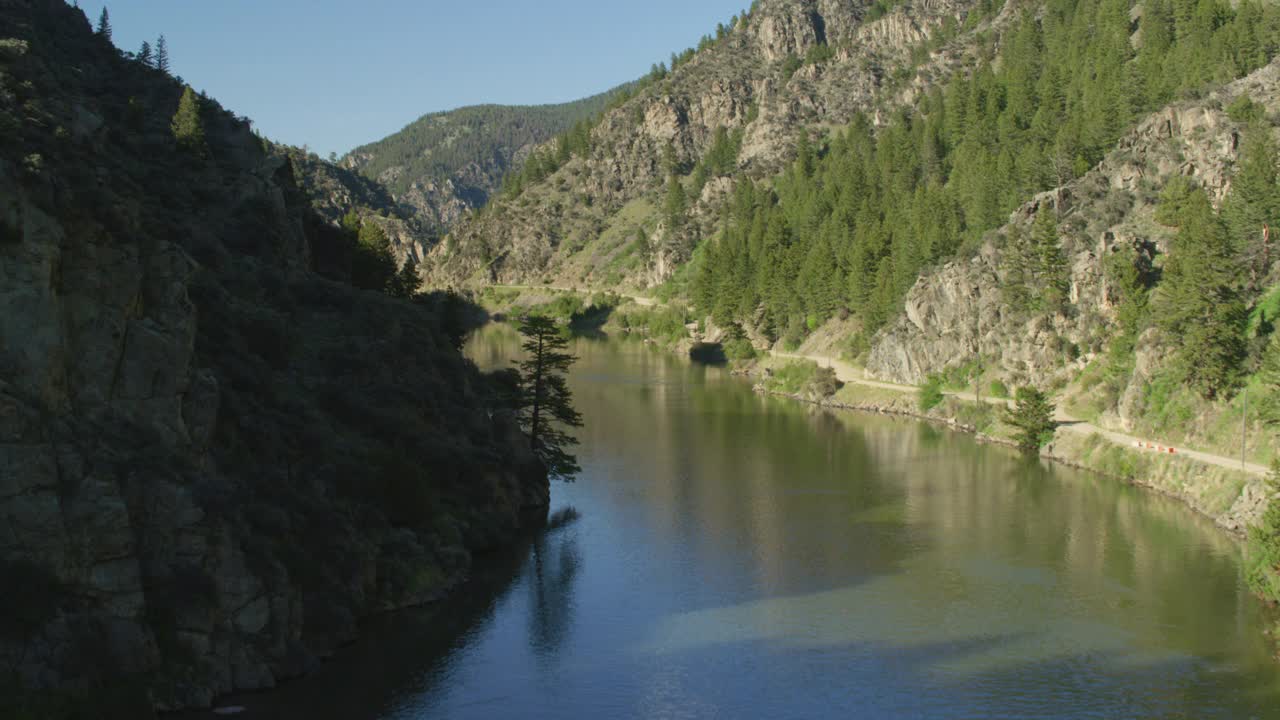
740	556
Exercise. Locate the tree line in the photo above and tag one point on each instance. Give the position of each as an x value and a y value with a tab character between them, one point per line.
849	226
157	57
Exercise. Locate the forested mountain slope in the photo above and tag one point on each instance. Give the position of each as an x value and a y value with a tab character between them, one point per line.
597	207
1075	194
217	455
335	191
445	164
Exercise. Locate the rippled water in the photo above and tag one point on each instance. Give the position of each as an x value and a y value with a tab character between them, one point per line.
744	557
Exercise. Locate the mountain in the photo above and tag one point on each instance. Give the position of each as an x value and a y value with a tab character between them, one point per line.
335	191
1074	195
787	66
217	454
444	165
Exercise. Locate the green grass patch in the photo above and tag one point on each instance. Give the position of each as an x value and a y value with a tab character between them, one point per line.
665	324
791	377
930	394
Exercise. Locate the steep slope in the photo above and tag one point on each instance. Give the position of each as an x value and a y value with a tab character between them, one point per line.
1078	195
788	67
1107	346
334	191
443	165
216	456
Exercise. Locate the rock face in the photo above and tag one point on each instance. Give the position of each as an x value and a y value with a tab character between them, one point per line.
746	81
334	191
957	310
213	460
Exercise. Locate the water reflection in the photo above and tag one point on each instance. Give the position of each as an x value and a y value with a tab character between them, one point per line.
556	562
742	556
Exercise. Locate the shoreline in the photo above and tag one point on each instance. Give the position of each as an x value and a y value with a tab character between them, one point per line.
1233	499
1228	525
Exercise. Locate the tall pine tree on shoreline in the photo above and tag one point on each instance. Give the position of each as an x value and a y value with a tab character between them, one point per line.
546	405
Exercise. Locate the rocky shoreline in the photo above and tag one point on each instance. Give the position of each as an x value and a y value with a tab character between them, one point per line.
1170	477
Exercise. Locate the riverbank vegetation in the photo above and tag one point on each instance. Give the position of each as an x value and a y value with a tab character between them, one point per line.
1031	418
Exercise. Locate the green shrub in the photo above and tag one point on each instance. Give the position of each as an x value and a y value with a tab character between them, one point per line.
824	383
794	335
1244	110
1263	569
931	393
790	65
980	417
739	349
998	389
563	307
792	377
960	377
857	346
818	54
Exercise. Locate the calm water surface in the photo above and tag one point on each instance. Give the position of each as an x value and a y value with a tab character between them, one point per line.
744	557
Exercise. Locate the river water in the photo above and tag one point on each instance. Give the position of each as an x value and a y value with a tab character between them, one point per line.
746	557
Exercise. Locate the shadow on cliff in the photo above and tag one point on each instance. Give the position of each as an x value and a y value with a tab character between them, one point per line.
405	658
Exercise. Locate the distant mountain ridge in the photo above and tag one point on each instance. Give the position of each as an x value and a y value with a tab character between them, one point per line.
445	164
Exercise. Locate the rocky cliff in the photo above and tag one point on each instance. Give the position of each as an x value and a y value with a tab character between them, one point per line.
868	276
214	460
334	191
958	311
787	68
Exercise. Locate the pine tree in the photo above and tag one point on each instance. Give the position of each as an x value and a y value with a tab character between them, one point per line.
642	243
1032	418
1254	204
1018	263
1052	275
162	54
546	406
144	54
375	267
104	24
676	204
670	161
188	127
408	281
1200	301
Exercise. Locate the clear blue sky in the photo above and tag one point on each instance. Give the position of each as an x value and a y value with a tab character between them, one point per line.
334	75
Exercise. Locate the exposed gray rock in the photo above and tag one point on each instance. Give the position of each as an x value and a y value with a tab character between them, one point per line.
191	421
738	84
937	329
